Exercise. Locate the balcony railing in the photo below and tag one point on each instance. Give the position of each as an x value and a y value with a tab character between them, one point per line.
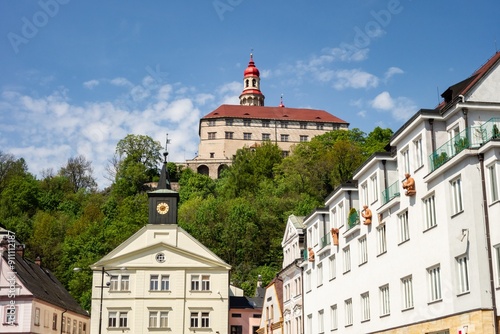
450	149
305	254
353	218
392	191
490	130
325	240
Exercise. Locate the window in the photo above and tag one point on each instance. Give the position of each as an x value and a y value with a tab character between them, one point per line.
68	325
434	283
205	282
407	293
63	324
79	327
125	283
266	136
333	317
113	283
112	319
123	321
235	315
304	138
319	126
37	316
212	154
347	259
333	267
74	326
321	324
247	136
385	305
308	280
493	183
456	194
363	250
430	212
54	321
348	312
247	122
365	306
158	319
463	274
229	122
11	313
419	153
374	188
265	124
194	320
284	137
211	135
284	124
236	329
298	286
303	125
319	274
452	134
309	323
211	122
229	135
285	154
205	320
404	232
165	282
497	252
364	194
153	283
405	156
381	239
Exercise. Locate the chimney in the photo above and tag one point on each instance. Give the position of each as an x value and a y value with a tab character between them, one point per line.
20	250
38	261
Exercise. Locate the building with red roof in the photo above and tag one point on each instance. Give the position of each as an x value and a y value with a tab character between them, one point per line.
231	127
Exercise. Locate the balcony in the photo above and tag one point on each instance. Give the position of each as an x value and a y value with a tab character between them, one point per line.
353	218
390	192
325	240
450	149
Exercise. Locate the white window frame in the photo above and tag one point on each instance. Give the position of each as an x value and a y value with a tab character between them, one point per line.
333	267
434	279
154	282
405	157
304	138
493	183
407	292
319	274
342	217
403	226
497	253
348	312
247	136
419	152
321	321
456	196
363	250
385	300
374	187
334	320
364	194
429	205
365	306
308	281
347	259
165	283
381	239
266	136
463	274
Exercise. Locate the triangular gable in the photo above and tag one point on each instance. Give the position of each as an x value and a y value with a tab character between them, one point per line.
181	248
273	296
294	227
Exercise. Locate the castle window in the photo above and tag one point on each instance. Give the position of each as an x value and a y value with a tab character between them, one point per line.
246	82
254	82
229	135
247	136
247	122
229	122
211	135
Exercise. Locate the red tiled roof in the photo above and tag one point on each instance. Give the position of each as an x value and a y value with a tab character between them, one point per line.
464	86
273	113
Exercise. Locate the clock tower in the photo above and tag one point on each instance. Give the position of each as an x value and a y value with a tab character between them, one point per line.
163	201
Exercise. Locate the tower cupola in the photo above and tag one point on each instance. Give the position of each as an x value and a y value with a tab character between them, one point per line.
251	95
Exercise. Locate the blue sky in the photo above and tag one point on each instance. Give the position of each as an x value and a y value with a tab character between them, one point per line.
78	76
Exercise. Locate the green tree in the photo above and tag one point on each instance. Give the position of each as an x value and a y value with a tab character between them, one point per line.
79	173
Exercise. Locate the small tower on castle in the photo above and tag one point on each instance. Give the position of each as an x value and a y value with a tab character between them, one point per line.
251	95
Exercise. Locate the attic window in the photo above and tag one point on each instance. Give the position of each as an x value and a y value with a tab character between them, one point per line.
246	114
317	117
285	115
216	113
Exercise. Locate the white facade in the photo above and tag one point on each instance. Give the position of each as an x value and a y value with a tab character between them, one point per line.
291	274
161	279
428	263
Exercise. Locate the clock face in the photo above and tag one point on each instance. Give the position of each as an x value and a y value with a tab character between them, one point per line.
162	208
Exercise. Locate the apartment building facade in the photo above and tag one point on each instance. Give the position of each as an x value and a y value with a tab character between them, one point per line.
427	259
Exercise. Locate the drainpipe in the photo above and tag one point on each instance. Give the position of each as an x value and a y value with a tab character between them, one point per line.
62	322
433	137
465	111
488	244
350	199
385	174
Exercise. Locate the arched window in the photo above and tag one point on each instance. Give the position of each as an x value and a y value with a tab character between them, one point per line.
247	83
203	169
254	82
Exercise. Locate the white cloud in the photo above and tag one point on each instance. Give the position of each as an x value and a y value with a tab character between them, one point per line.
91	84
392	71
120	82
354	79
401	108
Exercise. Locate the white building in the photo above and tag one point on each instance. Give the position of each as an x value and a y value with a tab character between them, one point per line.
160	279
429	262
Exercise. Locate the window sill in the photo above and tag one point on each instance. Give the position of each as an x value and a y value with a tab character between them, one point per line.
200	291
158	291
380	254
118	329
158	329
463	293
435	301
385	315
430	228
407	309
456	214
403	242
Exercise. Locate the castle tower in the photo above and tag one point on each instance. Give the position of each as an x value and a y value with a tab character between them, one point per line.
251	95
